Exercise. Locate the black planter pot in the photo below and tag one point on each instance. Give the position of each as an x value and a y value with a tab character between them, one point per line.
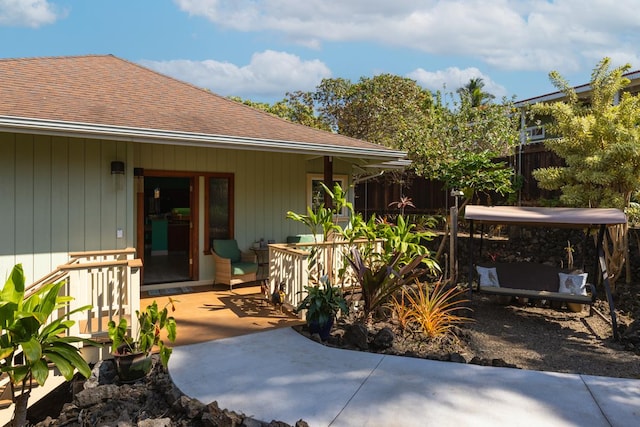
323	330
132	366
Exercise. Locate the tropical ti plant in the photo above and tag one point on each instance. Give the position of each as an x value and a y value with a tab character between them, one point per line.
28	344
152	322
380	280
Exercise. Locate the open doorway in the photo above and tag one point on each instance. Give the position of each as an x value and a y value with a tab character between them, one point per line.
168	229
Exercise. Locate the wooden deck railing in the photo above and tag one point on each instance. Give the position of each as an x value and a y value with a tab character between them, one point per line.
109	281
298	265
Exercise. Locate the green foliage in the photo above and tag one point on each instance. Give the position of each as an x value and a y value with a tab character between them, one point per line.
432	311
297	107
633	214
380	109
474	94
461	141
599	141
404	239
323	303
28	343
319	221
379	280
152	322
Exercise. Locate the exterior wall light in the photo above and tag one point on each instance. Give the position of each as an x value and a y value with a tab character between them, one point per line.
117	167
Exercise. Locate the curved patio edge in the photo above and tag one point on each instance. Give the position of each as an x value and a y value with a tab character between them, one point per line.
282	375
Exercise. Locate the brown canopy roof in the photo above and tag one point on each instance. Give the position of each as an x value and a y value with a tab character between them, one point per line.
565	217
107	97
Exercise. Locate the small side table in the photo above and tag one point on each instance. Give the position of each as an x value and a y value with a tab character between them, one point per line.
262	255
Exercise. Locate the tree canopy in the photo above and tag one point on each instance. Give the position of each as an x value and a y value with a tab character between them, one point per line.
455	143
599	140
461	142
382	109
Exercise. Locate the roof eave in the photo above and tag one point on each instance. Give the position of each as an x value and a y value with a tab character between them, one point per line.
155	136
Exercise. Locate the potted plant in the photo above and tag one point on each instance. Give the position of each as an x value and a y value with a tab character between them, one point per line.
322	304
133	355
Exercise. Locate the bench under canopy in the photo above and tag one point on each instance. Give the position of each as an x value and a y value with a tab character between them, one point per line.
551	218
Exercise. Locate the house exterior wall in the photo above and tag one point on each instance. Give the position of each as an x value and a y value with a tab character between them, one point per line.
58	195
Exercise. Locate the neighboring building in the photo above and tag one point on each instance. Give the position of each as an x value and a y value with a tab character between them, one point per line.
98	153
535	132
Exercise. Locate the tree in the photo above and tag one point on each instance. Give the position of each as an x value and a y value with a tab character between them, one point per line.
474	94
599	141
459	147
28	343
297	107
460	143
382	109
600	144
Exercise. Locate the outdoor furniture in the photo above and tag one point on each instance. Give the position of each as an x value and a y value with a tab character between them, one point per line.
580	218
233	266
534	281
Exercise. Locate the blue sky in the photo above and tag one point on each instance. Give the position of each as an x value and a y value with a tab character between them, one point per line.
261	49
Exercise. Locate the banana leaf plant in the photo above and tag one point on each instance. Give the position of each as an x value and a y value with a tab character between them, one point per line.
28	343
379	280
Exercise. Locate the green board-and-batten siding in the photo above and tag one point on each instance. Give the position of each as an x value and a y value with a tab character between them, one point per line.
59	196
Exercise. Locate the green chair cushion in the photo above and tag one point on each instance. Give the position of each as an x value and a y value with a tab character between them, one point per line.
301	238
240	268
227	249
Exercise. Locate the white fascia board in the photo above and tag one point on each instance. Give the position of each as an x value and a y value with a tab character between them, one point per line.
557	96
153	136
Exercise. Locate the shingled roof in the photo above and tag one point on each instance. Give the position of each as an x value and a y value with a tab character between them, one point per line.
111	98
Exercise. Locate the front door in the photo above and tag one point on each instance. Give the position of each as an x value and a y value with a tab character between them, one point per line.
166	213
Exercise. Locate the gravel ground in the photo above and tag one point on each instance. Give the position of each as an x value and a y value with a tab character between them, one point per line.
525	337
546	339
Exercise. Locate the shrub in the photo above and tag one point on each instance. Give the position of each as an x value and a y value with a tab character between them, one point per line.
434	312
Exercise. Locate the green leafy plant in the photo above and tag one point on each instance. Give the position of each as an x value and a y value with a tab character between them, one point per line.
323	219
379	280
404	238
323	302
28	343
152	322
435	311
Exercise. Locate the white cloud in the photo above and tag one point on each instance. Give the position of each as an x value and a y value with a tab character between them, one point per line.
507	34
269	74
28	13
452	78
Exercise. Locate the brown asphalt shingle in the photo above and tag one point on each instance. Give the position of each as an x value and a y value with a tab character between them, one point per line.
106	90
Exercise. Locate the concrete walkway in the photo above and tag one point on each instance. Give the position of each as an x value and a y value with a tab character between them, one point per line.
281	375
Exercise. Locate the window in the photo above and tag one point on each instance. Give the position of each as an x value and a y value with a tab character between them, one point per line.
315	192
218	208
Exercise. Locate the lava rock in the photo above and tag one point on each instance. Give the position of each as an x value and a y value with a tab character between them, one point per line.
457	358
357	335
384	338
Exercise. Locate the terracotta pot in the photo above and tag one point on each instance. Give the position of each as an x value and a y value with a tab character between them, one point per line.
132	366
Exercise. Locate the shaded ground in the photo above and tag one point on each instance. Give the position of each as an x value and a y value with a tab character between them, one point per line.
525	337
